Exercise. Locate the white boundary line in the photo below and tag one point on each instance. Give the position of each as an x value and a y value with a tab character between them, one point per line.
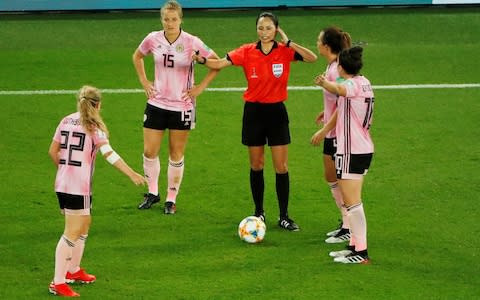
241	89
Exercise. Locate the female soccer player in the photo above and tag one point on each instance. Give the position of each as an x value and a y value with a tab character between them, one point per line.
331	41
266	64
352	121
171	100
77	139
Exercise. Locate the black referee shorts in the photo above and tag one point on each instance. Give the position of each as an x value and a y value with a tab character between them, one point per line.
265	123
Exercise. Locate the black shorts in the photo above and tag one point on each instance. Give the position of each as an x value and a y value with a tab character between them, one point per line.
352	166
265	123
161	119
330	147
74	202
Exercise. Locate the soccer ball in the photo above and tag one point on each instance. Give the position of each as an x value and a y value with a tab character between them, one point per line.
252	229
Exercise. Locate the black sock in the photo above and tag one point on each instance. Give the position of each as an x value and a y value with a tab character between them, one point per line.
257	186
282	185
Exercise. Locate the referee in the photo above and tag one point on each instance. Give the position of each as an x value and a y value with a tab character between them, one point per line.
266	64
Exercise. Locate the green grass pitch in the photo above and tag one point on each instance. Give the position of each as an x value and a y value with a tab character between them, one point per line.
421	194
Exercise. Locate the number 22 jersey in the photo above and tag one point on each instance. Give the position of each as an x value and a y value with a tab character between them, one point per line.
78	150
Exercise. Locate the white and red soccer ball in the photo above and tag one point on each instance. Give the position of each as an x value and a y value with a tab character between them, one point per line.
252	229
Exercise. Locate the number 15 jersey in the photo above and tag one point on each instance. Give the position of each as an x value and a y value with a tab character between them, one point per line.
173	68
78	150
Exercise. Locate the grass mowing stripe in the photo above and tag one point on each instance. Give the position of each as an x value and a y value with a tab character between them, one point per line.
240	89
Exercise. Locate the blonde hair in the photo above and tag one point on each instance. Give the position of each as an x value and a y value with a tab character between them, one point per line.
172	5
89	98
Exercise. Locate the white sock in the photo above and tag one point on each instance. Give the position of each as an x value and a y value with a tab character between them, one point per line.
358	226
175	176
151	169
63	255
77	254
337	195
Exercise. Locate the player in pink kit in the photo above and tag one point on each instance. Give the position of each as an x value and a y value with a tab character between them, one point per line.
352	121
331	41
73	150
171	100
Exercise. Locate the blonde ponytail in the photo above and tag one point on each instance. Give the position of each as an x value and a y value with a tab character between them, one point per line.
89	98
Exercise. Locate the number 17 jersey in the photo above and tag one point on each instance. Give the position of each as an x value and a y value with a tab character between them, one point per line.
355	112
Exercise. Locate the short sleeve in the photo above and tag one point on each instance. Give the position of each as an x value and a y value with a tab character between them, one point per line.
146	46
200	46
237	56
351	87
100	137
57	137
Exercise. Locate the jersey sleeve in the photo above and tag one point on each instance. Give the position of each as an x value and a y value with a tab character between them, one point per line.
351	87
200	46
57	137
237	56
100	137
297	56
146	46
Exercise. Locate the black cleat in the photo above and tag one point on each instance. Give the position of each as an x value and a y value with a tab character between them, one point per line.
342	236
360	257
289	224
148	201
170	208
261	216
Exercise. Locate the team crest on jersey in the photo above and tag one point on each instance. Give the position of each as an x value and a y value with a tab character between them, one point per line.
179	48
277	70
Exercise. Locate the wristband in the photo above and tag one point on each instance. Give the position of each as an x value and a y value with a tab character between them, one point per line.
204	60
288	43
113	158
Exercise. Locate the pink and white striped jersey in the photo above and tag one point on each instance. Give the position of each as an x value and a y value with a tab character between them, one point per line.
355	112
78	151
173	68
329	99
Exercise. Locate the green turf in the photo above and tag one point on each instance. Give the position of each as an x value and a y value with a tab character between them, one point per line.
420	194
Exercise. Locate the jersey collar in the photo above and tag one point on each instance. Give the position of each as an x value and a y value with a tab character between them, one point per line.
259	45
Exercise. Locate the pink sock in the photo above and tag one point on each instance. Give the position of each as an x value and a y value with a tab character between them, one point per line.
63	255
151	168
337	195
175	176
77	254
358	226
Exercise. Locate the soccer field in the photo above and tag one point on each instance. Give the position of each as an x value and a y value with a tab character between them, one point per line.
420	194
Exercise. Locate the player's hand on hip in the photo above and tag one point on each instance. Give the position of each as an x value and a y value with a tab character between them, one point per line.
194	91
149	89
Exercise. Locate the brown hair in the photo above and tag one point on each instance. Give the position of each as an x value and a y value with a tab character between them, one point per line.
172	5
351	60
89	98
336	39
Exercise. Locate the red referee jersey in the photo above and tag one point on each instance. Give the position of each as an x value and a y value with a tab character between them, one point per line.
267	74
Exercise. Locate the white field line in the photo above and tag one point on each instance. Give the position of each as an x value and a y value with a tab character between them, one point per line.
241	89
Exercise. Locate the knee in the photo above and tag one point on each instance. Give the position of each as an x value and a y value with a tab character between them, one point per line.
281	168
150	154
257	164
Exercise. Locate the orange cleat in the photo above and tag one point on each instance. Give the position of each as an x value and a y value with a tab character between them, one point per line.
62	289
80	276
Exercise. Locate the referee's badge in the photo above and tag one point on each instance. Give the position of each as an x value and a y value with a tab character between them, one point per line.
277	70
